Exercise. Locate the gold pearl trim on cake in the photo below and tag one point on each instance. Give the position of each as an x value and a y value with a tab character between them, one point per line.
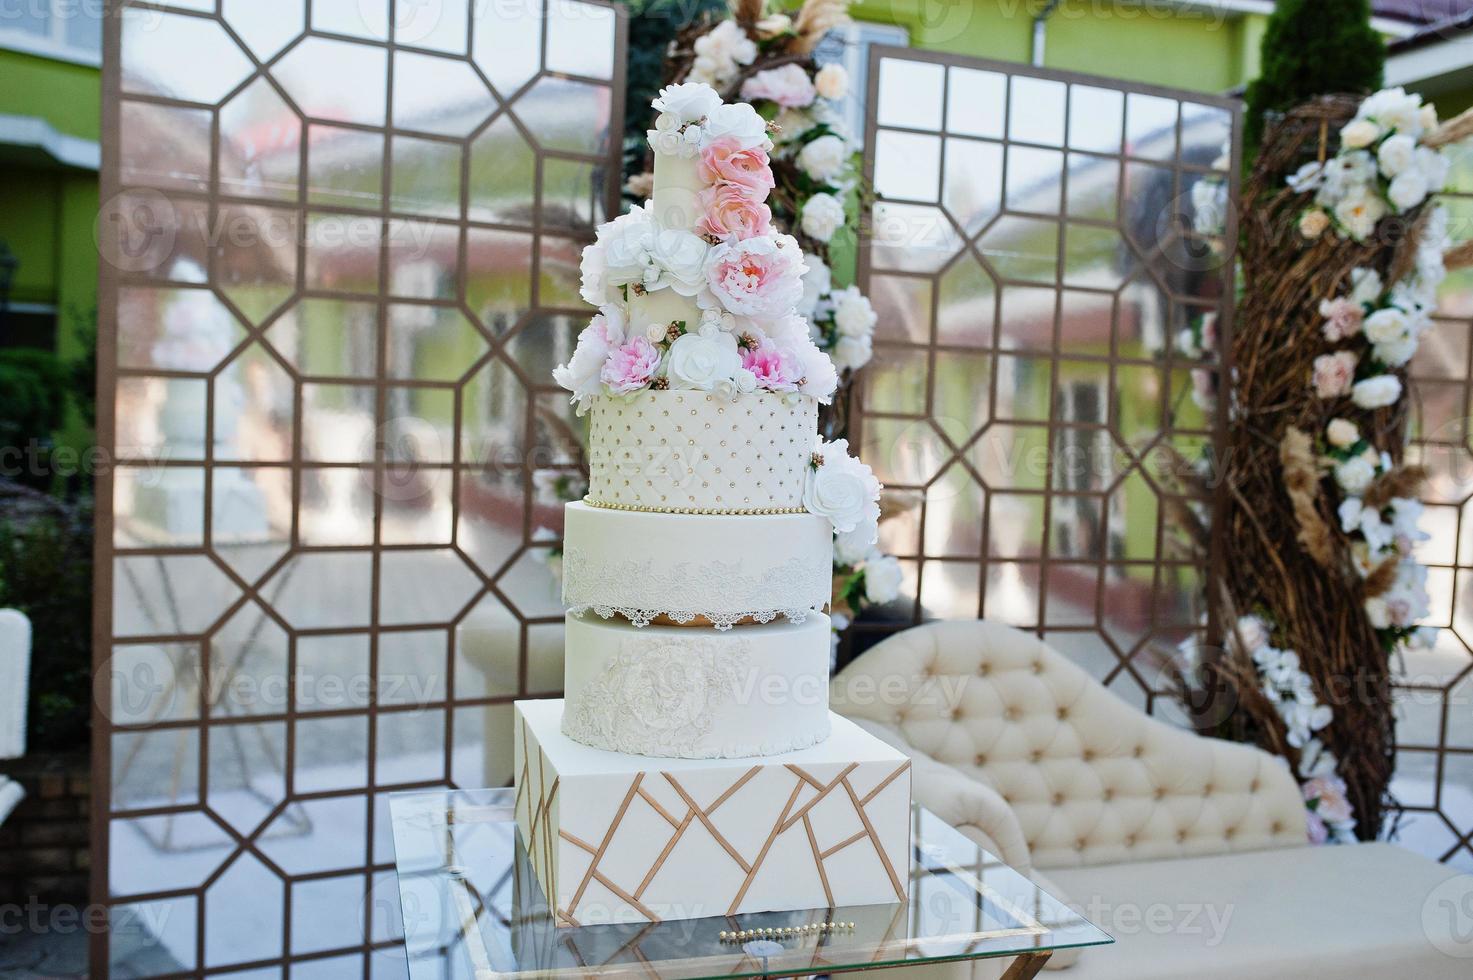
710	512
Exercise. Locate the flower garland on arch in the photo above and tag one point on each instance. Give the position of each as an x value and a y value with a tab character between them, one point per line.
1331	316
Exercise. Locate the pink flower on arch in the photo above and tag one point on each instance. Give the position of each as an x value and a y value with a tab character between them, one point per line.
724	161
1334	374
1343	318
788	86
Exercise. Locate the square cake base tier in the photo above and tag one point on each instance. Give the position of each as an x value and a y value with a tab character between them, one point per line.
627	838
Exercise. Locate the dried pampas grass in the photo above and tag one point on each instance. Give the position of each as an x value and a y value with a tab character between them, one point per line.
1302	484
816	19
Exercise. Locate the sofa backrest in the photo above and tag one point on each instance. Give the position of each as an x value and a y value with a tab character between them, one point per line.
1092	779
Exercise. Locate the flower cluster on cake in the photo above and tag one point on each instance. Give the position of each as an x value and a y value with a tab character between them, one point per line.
699	293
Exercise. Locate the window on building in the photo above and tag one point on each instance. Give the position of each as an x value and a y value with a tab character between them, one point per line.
67	29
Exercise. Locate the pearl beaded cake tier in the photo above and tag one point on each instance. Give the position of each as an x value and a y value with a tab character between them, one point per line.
697	452
697	694
709	570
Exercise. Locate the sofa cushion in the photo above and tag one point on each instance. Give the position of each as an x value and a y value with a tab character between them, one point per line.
1283	914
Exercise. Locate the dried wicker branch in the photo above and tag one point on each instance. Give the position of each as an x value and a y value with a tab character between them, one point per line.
1459	127
747	12
1460	256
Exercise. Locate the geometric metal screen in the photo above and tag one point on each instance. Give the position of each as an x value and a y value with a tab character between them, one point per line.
1434	764
1034	261
341	244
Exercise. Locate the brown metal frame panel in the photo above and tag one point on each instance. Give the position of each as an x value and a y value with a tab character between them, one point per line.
1113	361
109	372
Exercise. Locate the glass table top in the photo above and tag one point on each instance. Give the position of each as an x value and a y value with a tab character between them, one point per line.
472	909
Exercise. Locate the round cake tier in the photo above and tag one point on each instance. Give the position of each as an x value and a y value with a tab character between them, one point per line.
695	568
697	452
697	694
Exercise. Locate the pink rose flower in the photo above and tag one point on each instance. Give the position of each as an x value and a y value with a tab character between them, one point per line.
1334	806
727	212
788	86
1342	318
724	161
1334	374
630	366
757	277
776	369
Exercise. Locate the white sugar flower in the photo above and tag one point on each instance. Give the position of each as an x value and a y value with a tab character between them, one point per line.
850	548
686	103
1377	392
700	361
843	489
824	159
820	374
738	121
823	215
581	374
678	260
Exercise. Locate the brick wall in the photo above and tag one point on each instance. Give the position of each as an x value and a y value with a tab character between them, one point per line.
44	842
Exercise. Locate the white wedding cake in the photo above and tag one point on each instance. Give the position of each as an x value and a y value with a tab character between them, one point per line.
694	767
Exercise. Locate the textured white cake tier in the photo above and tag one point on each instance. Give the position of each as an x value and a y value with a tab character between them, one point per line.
722	569
696	452
694	693
677	193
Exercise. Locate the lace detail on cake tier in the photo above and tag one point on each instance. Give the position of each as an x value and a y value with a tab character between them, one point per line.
641	591
658	699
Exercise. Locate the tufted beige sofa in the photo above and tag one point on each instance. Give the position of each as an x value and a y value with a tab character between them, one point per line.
1190	851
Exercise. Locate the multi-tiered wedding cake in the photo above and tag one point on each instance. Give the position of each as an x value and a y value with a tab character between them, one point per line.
694	767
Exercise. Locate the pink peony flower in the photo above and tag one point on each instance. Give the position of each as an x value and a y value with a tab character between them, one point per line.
758	277
775	368
1342	318
630	366
724	161
1334	374
727	212
788	86
1334	805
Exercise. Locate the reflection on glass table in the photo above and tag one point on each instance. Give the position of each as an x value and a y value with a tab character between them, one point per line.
472	909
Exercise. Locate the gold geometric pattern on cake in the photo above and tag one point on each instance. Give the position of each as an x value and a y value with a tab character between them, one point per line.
543	845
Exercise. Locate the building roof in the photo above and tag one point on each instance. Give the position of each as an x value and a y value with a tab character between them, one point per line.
1421	12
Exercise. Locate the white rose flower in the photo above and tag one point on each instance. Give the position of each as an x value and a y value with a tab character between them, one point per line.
1350	510
774	24
817	281
853	353
832	81
744	382
1395	353
1365	286
824	159
681	259
1377	392
1354	475
1342	433
667	121
689	102
665	142
853	314
1359	211
625	245
1386	324
1307	178
1396	154
1429	117
882	578
1359	133
1408	190
655	333
823	215
1312	223
843	489
701	361
739	121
